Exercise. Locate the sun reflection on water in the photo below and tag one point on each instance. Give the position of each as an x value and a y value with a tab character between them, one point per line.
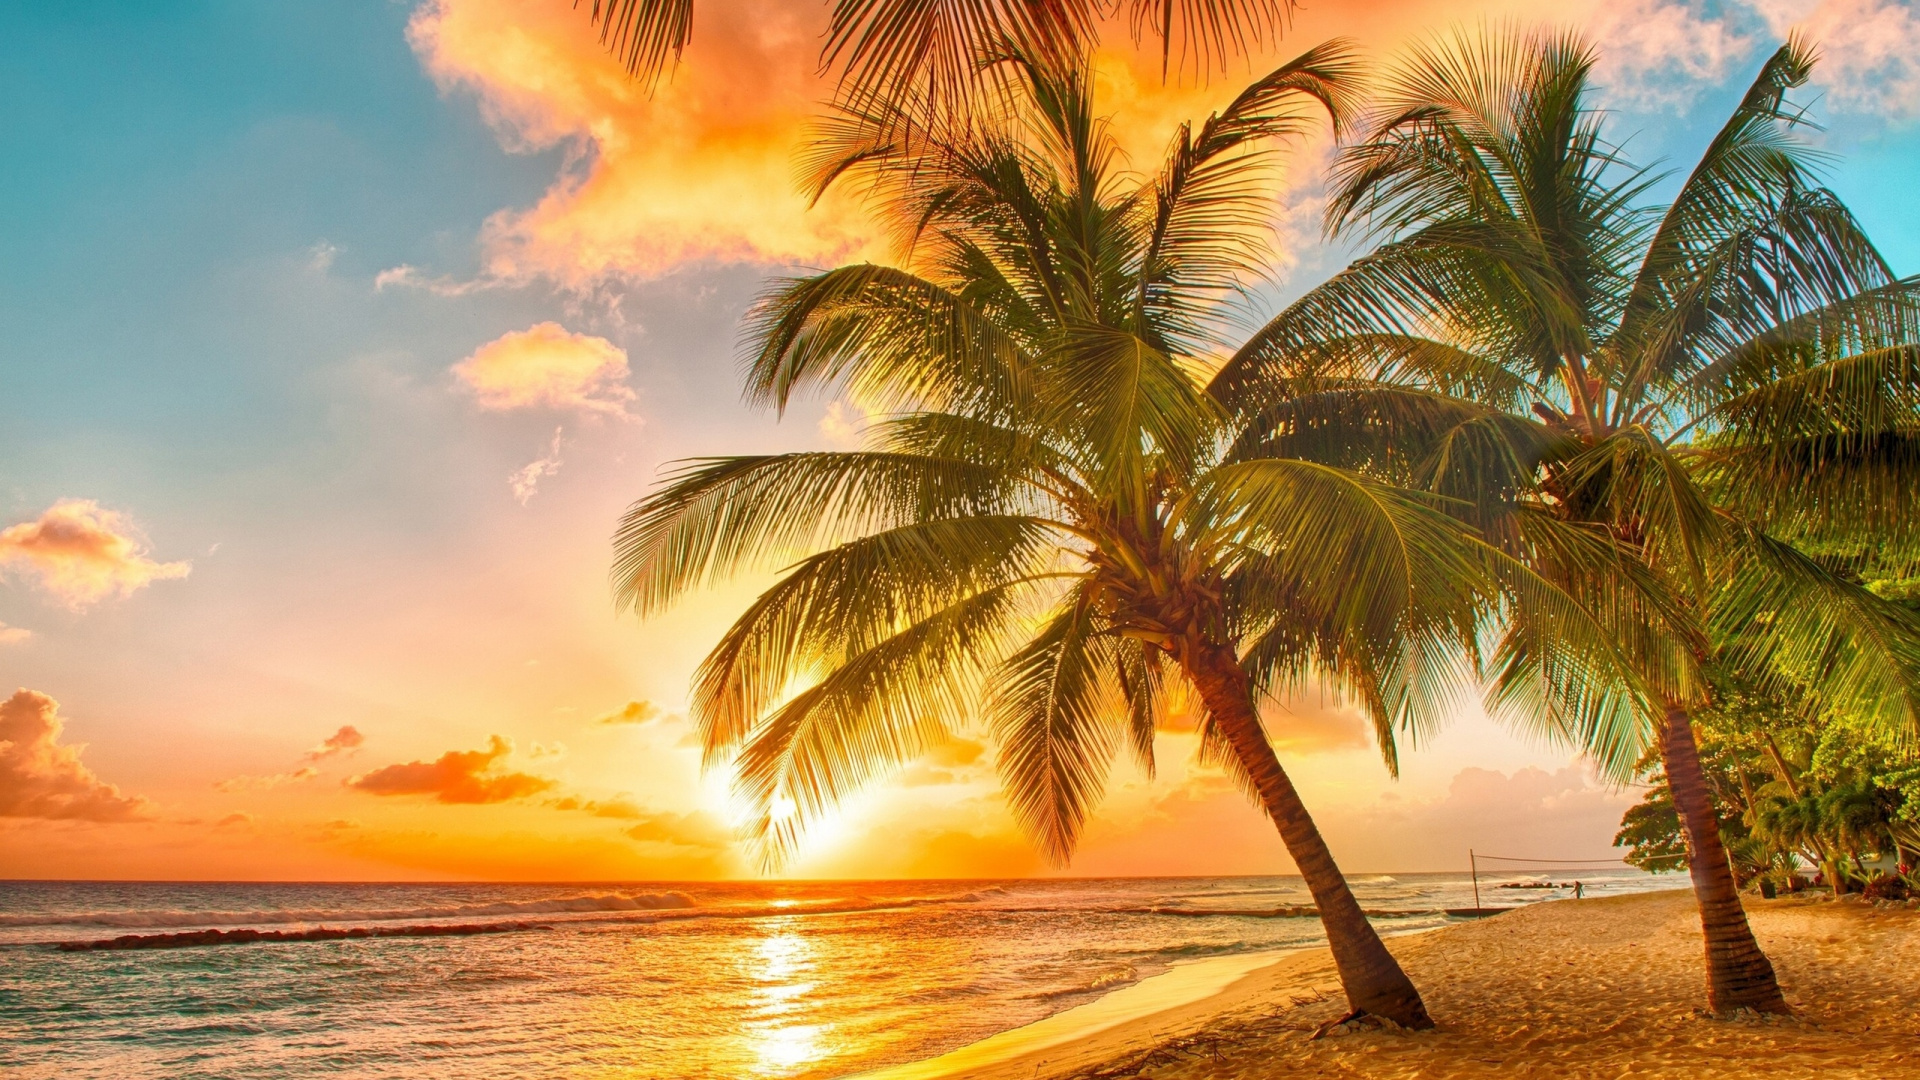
781	966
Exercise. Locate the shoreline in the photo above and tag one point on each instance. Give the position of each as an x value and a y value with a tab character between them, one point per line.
1601	987
1161	1005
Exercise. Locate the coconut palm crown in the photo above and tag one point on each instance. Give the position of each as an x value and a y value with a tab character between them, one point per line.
1713	381
887	47
1051	532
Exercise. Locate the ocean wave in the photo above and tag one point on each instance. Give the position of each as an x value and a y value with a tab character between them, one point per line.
595	903
247	937
1105	980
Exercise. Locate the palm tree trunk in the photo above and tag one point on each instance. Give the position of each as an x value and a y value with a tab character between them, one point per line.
1739	975
1374	983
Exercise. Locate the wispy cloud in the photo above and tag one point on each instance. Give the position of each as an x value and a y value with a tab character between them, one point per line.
40	778
265	783
406	276
82	553
13	635
524	482
547	366
457	776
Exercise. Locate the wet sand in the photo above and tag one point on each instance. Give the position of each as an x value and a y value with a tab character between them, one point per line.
1596	988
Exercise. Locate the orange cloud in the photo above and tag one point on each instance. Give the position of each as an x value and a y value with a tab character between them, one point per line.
13	635
346	740
39	778
458	776
548	366
262	783
1302	727
83	554
633	712
698	169
693	829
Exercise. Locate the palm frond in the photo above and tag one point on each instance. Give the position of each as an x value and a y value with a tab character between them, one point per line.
1786	622
647	36
1056	712
876	710
717	517
846	600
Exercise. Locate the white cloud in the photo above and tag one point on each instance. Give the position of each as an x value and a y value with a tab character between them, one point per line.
1869	50
1663	53
13	635
525	481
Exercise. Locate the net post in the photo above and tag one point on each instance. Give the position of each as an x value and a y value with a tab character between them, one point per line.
1473	861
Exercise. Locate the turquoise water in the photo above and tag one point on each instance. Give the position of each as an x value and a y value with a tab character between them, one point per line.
635	981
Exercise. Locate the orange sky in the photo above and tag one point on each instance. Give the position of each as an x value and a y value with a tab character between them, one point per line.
466	704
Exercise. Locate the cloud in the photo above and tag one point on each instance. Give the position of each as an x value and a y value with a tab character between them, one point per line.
458	776
525	481
406	276
321	255
1664	53
83	554
633	712
1532	813
1869	50
693	829
548	366
346	740
698	169
845	423
1301	726
13	635
951	762
265	783
232	820
39	778
619	807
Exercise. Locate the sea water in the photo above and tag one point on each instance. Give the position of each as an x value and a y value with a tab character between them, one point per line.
730	981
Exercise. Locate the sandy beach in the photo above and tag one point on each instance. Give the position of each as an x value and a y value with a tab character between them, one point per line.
1594	988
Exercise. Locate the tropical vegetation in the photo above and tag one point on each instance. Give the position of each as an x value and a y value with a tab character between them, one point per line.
1720	381
1801	799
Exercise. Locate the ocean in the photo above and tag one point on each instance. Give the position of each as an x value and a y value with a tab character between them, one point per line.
729	981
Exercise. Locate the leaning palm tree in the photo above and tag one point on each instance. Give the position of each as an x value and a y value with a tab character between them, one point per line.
885	46
1708	382
1050	532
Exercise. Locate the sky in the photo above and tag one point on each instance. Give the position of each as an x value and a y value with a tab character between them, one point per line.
334	339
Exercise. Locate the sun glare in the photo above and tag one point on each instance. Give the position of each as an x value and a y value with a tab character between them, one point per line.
782	964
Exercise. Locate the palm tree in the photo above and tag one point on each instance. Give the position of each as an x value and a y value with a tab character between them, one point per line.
1710	382
887	45
1053	528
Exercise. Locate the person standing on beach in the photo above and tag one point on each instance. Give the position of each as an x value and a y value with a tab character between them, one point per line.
1579	891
